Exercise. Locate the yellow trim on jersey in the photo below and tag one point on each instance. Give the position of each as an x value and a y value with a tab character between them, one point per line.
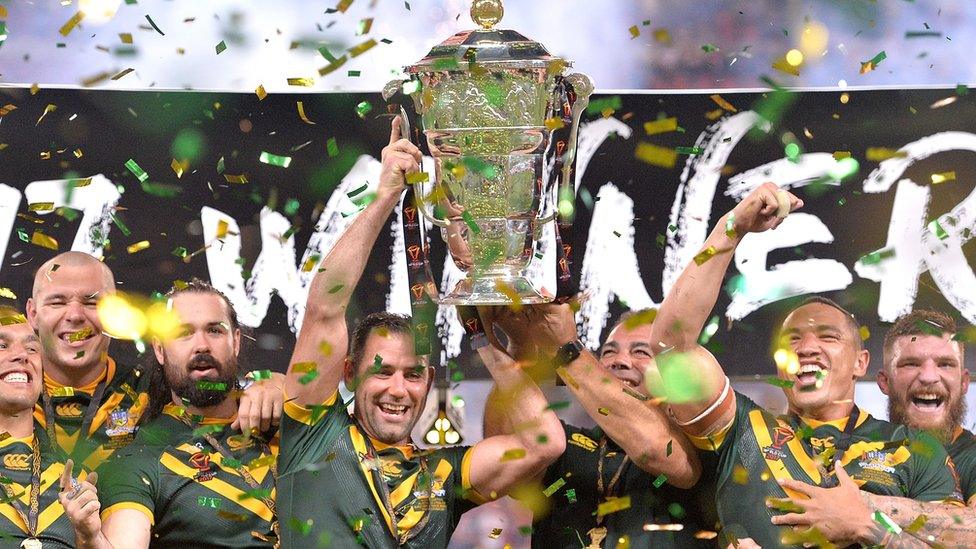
839	423
776	466
50	385
129	505
856	450
303	414
470	493
359	443
49	514
714	441
28	440
971	502
224	488
257	472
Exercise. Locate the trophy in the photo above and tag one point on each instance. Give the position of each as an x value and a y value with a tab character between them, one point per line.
500	119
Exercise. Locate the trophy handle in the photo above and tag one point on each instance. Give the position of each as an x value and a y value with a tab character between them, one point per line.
583	87
422	208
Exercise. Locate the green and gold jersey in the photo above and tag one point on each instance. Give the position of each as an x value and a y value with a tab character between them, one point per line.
191	493
639	509
758	448
16	460
114	421
329	491
962	450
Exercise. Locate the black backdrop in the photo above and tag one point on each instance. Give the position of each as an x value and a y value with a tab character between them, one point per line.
113	126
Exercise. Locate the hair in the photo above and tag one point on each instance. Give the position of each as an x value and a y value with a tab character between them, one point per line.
920	322
391	322
160	392
852	324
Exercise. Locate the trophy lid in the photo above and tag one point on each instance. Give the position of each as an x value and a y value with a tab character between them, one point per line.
486	46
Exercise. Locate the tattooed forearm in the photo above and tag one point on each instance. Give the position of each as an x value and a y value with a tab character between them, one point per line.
935	524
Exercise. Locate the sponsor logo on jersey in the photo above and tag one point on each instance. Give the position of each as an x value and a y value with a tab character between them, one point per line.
17	462
68	409
583	441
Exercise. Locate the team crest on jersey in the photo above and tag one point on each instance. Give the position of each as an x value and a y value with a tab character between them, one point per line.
17	462
876	460
68	409
201	462
583	441
824	443
239	442
119	424
774	451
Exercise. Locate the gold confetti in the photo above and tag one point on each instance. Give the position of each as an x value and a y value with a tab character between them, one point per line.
41	207
221	229
260	93
125	37
943	177
72	23
661	126
705	255
138	246
49	108
362	48
513	454
417	177
179	167
612	505
662	36
783	66
302	115
740	475
721	102
878	154
78	153
865	333
239	179
495	533
554	123
43	240
122	73
839	155
655	155
10	320
306	82
6	109
34	88
7	293
340	61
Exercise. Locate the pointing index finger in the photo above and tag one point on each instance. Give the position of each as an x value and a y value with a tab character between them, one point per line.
66	475
395	130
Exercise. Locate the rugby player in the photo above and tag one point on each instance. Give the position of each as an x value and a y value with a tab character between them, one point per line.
189	479
358	479
824	430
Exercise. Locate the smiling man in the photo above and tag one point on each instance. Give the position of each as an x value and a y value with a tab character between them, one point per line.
189	479
820	349
31	514
350	480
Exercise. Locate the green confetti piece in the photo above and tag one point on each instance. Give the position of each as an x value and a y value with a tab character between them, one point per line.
961	89
220	47
291	206
118	223
874	258
259	375
688	150
353	74
309	377
469	221
161	190
886	521
3	32
571	495
922	34
878	58
275	160
446	64
153	23
211	386
303	527
207	430
660	480
257	493
327	54
232	463
209	502
479	166
332	147
525	530
554	487
363	109
775	381
558	405
457	376
133	167
676	511
936	228
220	165
709	48
669	448
598	106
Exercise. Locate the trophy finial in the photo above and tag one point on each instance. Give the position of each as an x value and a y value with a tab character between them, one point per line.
487	13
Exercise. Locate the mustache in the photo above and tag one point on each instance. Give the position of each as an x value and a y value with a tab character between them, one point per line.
202	361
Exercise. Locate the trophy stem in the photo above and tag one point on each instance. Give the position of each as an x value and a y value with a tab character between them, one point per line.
498	288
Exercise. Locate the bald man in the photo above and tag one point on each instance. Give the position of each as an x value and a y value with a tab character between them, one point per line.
91	405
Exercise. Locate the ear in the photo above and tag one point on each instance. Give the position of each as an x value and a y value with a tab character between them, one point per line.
237	342
32	313
883	381
349	374
158	351
965	381
861	366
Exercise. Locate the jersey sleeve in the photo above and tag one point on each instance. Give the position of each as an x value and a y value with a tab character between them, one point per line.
932	478
454	465
717	441
130	480
306	431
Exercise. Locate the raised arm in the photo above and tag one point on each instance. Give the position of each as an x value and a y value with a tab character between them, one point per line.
687	306
323	341
501	462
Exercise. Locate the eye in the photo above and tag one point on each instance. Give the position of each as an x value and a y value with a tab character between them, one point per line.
607	352
216	330
186	331
414	375
947	365
3	345
642	353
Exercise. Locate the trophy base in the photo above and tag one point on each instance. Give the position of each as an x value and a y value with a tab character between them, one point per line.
505	290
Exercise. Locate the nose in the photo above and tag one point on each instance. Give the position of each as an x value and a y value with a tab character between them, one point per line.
17	354
200	343
806	346
397	387
929	373
74	312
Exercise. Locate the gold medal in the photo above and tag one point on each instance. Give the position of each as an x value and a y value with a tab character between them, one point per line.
31	543
596	537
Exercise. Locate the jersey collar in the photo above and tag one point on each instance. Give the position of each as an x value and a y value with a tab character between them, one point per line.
177	412
839	423
51	386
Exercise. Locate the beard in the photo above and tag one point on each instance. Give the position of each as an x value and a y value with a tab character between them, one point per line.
955	412
207	391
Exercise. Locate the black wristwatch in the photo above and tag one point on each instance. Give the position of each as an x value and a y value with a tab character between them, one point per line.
568	352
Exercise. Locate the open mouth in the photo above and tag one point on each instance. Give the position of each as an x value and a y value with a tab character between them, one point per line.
928	402
77	338
809	375
16	378
396	411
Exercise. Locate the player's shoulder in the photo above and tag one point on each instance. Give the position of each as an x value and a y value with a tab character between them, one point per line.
963	446
130	375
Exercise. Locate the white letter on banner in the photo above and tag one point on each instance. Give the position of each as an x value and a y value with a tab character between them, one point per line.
9	204
96	201
917	249
275	269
